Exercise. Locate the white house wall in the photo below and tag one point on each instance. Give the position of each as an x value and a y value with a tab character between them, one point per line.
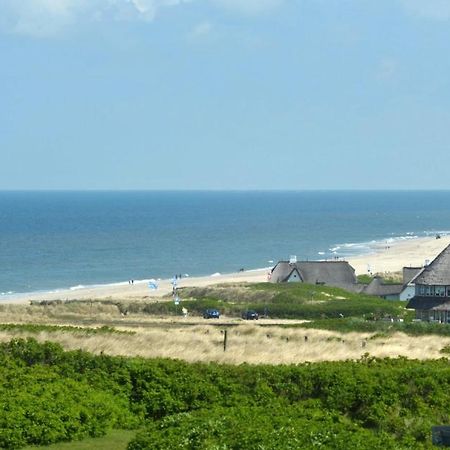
408	292
294	278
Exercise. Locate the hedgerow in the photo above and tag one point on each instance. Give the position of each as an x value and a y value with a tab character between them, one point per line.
48	395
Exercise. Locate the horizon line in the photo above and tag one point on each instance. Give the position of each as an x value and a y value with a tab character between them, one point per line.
232	190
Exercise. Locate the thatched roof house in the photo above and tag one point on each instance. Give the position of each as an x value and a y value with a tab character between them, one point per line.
378	288
432	290
341	274
331	273
409	273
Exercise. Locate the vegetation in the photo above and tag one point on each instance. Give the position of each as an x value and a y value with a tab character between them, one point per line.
364	278
446	349
37	328
370	403
277	301
390	278
284	301
370	326
113	440
256	428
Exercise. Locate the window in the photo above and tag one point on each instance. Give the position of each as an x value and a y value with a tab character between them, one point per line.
439	291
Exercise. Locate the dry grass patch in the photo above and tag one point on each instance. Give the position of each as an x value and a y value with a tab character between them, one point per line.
57	312
247	343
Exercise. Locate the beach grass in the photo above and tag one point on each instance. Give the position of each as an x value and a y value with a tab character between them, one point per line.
300	323
255	343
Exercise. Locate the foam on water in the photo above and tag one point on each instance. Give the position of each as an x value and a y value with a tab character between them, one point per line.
349	249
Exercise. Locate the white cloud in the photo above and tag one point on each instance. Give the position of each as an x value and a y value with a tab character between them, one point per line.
41	17
249	6
431	9
50	17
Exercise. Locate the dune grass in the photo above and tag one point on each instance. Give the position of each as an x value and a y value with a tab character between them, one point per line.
152	328
282	301
246	343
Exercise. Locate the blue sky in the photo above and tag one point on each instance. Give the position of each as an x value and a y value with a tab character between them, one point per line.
224	94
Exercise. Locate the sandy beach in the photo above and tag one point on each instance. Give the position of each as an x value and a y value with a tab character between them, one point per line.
138	290
390	257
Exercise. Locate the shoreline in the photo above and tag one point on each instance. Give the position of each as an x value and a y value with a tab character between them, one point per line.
386	258
394	256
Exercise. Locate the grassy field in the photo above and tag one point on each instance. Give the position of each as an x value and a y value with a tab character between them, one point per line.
302	323
114	440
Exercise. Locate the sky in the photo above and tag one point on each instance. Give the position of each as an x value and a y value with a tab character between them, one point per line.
224	94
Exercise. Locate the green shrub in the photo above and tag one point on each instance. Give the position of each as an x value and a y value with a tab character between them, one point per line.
256	428
48	395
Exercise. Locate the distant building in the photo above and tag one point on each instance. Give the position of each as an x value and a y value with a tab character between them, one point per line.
342	274
409	288
331	273
379	288
432	290
394	291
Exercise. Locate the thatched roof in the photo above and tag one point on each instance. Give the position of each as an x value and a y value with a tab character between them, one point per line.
332	273
437	272
378	288
409	273
429	303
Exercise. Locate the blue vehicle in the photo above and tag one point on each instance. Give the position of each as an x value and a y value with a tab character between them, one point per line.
211	314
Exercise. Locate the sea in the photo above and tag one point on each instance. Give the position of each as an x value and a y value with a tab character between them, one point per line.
52	240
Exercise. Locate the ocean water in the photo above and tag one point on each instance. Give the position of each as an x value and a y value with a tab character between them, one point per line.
52	240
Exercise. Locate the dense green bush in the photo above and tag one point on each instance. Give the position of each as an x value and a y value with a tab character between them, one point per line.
48	395
38	407
256	428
